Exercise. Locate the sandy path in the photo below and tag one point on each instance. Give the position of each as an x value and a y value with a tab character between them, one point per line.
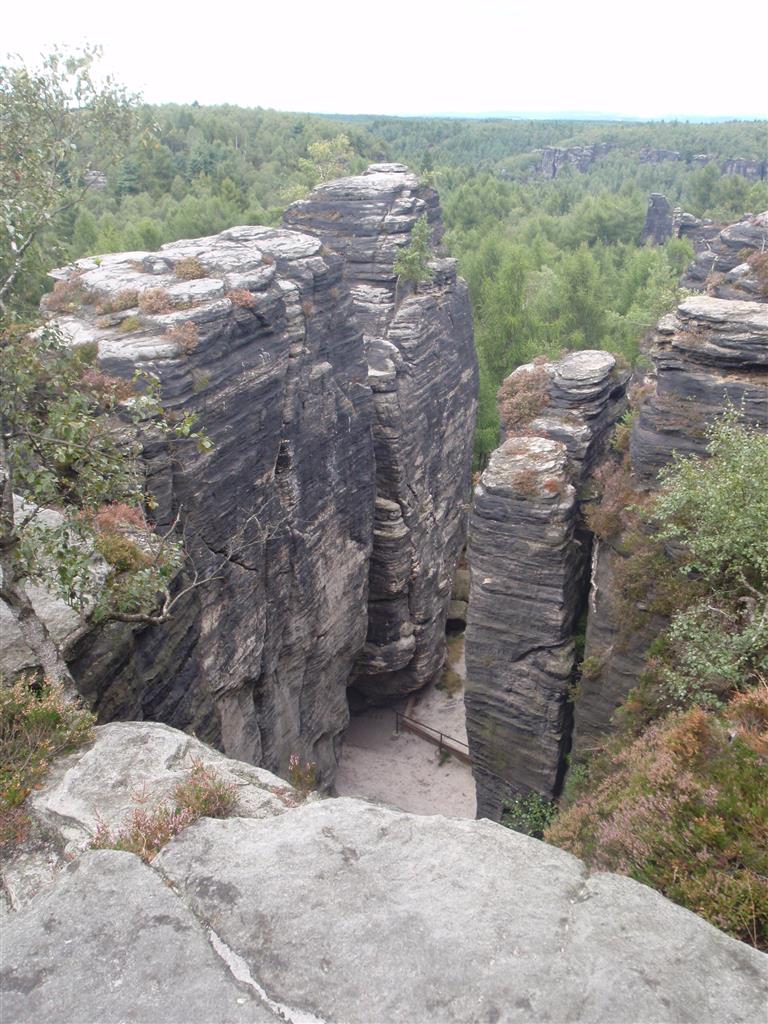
404	771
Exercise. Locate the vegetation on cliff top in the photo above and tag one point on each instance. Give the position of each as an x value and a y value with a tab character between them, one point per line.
678	799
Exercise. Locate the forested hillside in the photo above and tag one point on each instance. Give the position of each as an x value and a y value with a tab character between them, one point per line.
552	263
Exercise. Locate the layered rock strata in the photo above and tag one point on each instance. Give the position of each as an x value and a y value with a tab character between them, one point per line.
340	461
720	265
262	346
528	554
259	917
423	375
711	351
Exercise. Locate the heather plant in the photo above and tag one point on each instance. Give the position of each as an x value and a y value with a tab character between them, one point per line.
37	724
522	396
683	809
189	269
302	776
203	794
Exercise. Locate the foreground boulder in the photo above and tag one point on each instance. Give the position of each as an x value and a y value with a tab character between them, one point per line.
339	911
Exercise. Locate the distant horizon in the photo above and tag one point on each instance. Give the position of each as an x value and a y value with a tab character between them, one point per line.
496	60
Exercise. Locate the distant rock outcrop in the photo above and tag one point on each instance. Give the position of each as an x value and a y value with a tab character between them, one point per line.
658	220
336	911
528	555
423	375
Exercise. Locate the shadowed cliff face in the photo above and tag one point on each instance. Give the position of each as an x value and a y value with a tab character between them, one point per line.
258	661
528	554
423	375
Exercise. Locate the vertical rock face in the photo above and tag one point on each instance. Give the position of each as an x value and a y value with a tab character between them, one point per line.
340	463
423	375
281	509
710	351
658	220
528	554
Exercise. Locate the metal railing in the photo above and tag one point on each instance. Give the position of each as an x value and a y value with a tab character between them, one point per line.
450	744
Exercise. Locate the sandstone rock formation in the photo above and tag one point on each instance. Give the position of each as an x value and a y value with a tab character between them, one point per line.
528	553
723	252
281	508
338	458
339	911
658	220
712	350
552	158
423	375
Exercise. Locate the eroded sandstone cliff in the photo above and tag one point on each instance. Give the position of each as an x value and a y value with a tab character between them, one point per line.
712	351
528	554
423	376
341	419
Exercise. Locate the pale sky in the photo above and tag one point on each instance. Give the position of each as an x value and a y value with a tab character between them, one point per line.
648	58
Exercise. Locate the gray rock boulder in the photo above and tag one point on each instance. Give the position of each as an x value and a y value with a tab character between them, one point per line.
340	911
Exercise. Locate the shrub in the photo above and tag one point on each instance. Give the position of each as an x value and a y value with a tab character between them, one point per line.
682	809
66	296
154	300
189	269
184	335
530	814
411	262
614	511
241	297
522	396
130	323
128	298
37	724
203	794
303	777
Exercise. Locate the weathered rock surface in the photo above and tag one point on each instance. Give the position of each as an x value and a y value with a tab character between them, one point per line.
720	264
281	508
339	911
528	554
712	350
328	445
423	375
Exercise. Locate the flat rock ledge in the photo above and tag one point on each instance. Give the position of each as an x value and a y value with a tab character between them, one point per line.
338	912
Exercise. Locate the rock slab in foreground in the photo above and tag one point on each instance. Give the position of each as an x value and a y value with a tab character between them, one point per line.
340	912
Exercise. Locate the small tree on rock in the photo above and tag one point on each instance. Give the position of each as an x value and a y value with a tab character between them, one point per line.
412	260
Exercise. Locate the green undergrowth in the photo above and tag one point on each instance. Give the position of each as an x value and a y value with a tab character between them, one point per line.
37	725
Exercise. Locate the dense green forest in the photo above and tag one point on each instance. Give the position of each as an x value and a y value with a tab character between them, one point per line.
552	264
